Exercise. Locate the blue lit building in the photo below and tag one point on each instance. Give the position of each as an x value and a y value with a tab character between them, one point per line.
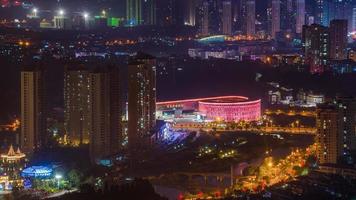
41	172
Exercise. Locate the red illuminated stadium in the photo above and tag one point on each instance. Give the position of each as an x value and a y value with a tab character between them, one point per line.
227	108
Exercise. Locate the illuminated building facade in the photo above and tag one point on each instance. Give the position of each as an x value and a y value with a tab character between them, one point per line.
12	163
42	172
231	109
141	99
106	138
226	108
33	109
77	105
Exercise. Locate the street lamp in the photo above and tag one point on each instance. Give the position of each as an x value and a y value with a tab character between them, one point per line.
34	11
61	12
58	177
85	15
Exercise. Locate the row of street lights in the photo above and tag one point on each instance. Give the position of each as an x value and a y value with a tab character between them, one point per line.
61	12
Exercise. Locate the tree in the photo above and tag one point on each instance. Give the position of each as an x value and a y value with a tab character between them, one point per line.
74	177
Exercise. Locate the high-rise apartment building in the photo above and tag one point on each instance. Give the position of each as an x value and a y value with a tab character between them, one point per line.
337	9
149	14
347	106
316	44
165	12
77	104
353	21
250	17
33	109
276	17
205	18
328	127
287	15
338	39
134	12
336	131
190	12
239	7
227	17
300	16
141	100
106	137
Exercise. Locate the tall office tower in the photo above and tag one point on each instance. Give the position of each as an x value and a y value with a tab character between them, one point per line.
300	17
227	17
134	12
149	12
190	12
205	19
276	14
33	109
77	105
316	47
338	39
250	17
336	130
141	100
106	137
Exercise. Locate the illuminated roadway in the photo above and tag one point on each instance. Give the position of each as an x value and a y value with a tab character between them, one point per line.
193	126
